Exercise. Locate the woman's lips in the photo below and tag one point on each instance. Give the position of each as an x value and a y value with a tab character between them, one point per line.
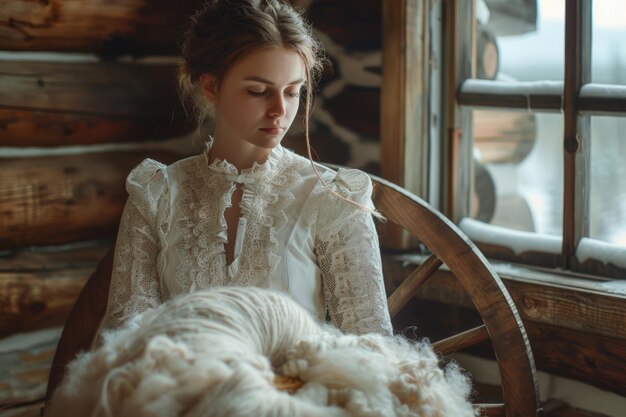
272	130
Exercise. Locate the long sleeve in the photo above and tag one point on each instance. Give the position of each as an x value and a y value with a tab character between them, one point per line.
347	250
134	281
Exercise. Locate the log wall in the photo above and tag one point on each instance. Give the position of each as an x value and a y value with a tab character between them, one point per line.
87	91
80	105
108	27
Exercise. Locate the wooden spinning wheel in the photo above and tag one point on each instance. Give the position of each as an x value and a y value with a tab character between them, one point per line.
502	323
449	246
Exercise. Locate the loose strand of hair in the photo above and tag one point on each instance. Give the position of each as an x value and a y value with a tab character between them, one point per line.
373	212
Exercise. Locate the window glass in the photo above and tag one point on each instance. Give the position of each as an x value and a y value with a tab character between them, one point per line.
608	52
518	170
529	37
607	219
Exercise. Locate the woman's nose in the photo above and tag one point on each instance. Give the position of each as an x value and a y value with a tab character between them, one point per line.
277	106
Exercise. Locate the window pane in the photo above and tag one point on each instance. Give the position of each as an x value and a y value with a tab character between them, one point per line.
608	52
529	36
518	170
608	180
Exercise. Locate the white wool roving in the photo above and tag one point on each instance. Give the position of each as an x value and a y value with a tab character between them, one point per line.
214	352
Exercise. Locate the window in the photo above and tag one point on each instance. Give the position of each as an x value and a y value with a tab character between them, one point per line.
539	150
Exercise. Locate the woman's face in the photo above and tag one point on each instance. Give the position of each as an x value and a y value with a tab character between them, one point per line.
258	98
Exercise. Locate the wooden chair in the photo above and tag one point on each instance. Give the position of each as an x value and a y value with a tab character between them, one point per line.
449	246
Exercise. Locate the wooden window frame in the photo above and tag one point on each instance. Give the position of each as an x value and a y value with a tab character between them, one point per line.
410	119
559	308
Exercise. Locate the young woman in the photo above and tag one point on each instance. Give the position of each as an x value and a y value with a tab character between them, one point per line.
248	211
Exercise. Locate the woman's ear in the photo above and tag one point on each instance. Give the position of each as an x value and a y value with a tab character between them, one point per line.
208	87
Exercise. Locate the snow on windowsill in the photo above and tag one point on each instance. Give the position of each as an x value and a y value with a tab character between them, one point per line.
519	242
603	91
519	88
601	251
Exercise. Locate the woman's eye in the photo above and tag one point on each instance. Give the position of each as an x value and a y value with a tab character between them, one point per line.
256	93
295	94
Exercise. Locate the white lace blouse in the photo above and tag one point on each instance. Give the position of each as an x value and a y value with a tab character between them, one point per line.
293	235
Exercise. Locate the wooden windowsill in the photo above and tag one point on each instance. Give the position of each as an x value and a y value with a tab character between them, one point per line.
546	297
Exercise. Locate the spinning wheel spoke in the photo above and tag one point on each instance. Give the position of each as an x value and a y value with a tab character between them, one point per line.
403	294
462	340
487	292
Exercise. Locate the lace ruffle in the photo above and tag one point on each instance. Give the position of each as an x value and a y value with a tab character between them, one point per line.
263	209
201	250
203	262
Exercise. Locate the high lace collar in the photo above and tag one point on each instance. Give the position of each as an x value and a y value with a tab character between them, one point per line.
246	175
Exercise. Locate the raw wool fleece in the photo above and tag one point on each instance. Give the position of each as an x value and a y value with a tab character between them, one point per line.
212	353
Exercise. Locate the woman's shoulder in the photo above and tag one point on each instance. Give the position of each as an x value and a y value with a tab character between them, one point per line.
153	176
146	176
145	171
150	168
353	180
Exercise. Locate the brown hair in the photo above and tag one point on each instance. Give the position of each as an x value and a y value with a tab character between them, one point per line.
222	32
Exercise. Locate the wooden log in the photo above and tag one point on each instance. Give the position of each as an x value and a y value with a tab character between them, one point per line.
503	136
30	301
80	254
43	128
53	103
103	88
39	286
61	199
108	27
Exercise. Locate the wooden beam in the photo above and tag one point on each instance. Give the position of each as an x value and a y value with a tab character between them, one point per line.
393	96
62	199
511	95
108	27
576	130
404	151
